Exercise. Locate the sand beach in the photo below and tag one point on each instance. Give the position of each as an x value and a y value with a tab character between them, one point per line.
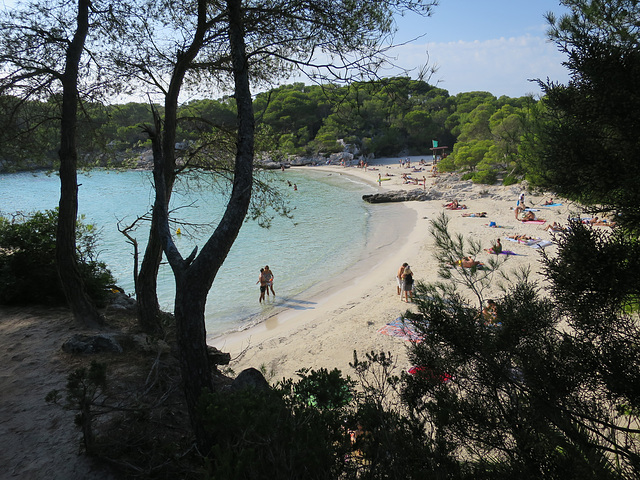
324	330
347	316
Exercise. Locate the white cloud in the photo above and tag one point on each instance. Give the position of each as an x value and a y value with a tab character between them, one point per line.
501	66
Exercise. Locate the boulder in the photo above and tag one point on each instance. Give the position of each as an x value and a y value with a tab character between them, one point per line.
401	196
120	301
217	357
250	378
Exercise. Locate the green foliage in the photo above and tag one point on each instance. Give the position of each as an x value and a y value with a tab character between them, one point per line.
467	155
84	388
447	164
383	118
319	427
27	261
550	390
486	176
510	180
278	433
323	389
586	139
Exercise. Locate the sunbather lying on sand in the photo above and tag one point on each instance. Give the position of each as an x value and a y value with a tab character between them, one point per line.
530	217
467	262
555	227
481	214
602	222
454	206
548	202
522	238
408	179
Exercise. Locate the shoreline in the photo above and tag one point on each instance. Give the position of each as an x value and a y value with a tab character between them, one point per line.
352	310
380	242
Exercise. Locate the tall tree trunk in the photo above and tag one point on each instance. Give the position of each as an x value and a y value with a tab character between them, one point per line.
189	303
66	253
195	275
147	281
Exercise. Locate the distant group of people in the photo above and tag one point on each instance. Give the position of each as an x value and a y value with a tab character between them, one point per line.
405	282
266	282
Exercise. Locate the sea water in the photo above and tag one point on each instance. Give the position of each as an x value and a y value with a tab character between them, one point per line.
325	235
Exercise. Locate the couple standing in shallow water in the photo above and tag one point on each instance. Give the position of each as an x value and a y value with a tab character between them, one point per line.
266	282
405	282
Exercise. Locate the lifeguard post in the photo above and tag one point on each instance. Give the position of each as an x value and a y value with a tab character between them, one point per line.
437	152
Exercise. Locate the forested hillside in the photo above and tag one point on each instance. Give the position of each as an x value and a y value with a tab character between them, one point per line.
396	116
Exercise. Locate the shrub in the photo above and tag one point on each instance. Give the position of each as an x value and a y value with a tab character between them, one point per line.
487	177
28	272
292	431
510	180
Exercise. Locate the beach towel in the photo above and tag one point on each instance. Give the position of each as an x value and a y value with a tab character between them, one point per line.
509	252
552	205
401	328
528	243
539	222
541	244
430	373
531	210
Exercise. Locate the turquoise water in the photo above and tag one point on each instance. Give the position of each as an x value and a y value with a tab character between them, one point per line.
328	231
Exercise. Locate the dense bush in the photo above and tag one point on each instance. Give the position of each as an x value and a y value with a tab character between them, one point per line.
292	431
318	427
28	272
546	388
486	177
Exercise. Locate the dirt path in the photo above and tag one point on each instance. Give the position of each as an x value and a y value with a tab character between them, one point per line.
38	440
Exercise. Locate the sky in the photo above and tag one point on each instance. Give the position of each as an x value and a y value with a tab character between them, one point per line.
483	45
478	45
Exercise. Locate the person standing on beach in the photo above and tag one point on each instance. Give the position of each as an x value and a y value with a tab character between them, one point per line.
263	285
407	284
399	278
268	276
379	180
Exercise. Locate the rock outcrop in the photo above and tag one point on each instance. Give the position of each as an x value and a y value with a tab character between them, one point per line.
86	344
402	196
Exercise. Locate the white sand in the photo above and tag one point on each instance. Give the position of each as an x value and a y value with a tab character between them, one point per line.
347	318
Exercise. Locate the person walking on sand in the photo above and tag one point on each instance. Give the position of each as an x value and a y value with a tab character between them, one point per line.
407	284
263	285
399	277
268	276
